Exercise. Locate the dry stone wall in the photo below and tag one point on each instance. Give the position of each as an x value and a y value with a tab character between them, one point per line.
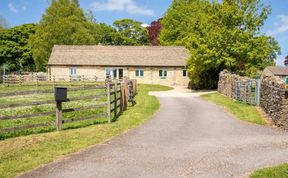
273	95
274	100
236	87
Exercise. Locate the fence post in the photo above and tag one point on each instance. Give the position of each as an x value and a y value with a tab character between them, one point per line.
108	102
258	91
59	115
53	80
83	81
125	94
121	97
37	80
115	98
19	79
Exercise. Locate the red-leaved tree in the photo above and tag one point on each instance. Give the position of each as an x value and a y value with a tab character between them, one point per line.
154	31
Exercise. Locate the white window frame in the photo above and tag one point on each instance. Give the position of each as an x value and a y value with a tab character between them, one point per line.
112	74
139	72
163	72
73	71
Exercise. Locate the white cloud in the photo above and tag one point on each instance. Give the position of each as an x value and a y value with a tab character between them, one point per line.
12	8
123	5
145	25
280	26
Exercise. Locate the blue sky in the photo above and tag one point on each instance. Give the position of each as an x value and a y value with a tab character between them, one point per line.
18	12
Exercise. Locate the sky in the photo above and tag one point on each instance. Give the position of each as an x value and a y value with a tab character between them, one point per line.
18	12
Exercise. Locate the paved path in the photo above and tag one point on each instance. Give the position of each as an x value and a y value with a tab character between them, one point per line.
188	137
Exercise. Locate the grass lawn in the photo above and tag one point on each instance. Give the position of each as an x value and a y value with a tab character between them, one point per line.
24	153
273	172
47	108
240	110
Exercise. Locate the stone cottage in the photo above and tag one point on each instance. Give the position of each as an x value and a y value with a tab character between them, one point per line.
276	71
147	64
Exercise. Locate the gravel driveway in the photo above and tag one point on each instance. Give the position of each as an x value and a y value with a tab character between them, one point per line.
188	137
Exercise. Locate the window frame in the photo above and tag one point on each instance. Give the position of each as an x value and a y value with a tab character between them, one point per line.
184	70
73	71
139	72
163	71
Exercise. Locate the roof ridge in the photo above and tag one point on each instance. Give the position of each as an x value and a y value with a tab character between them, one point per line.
119	46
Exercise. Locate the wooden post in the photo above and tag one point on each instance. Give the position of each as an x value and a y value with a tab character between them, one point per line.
70	80
37	80
121	97
134	85
19	79
53	80
108	102
115	99
124	95
258	90
83	81
59	115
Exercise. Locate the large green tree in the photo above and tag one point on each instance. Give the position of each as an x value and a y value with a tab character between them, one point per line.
130	32
14	48
220	35
63	23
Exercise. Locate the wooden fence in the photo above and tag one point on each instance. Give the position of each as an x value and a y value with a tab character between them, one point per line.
42	80
116	96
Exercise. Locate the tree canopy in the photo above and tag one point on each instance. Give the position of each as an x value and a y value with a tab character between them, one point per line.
220	35
130	32
14	48
154	32
64	23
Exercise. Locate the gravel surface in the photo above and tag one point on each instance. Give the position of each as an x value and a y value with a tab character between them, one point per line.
188	137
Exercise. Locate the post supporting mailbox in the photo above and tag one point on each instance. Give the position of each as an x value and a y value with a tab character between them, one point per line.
60	96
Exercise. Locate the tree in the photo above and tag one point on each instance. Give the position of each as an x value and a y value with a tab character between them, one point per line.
64	23
14	48
107	34
76	2
220	35
154	32
130	32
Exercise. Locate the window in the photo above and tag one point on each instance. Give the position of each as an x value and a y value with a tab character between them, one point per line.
73	71
139	73
108	73
162	73
114	73
184	73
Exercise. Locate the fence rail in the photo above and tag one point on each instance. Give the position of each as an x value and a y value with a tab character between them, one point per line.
46	80
115	98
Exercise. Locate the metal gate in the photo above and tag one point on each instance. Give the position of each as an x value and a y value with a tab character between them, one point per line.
248	91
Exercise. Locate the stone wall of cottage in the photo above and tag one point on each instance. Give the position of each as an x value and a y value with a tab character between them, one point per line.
274	100
151	74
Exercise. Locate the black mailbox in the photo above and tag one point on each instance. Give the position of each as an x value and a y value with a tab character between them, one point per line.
60	94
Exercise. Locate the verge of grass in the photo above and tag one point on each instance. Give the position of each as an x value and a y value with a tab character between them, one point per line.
240	110
272	172
21	154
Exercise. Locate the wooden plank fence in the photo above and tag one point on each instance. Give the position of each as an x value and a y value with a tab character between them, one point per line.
46	80
117	95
